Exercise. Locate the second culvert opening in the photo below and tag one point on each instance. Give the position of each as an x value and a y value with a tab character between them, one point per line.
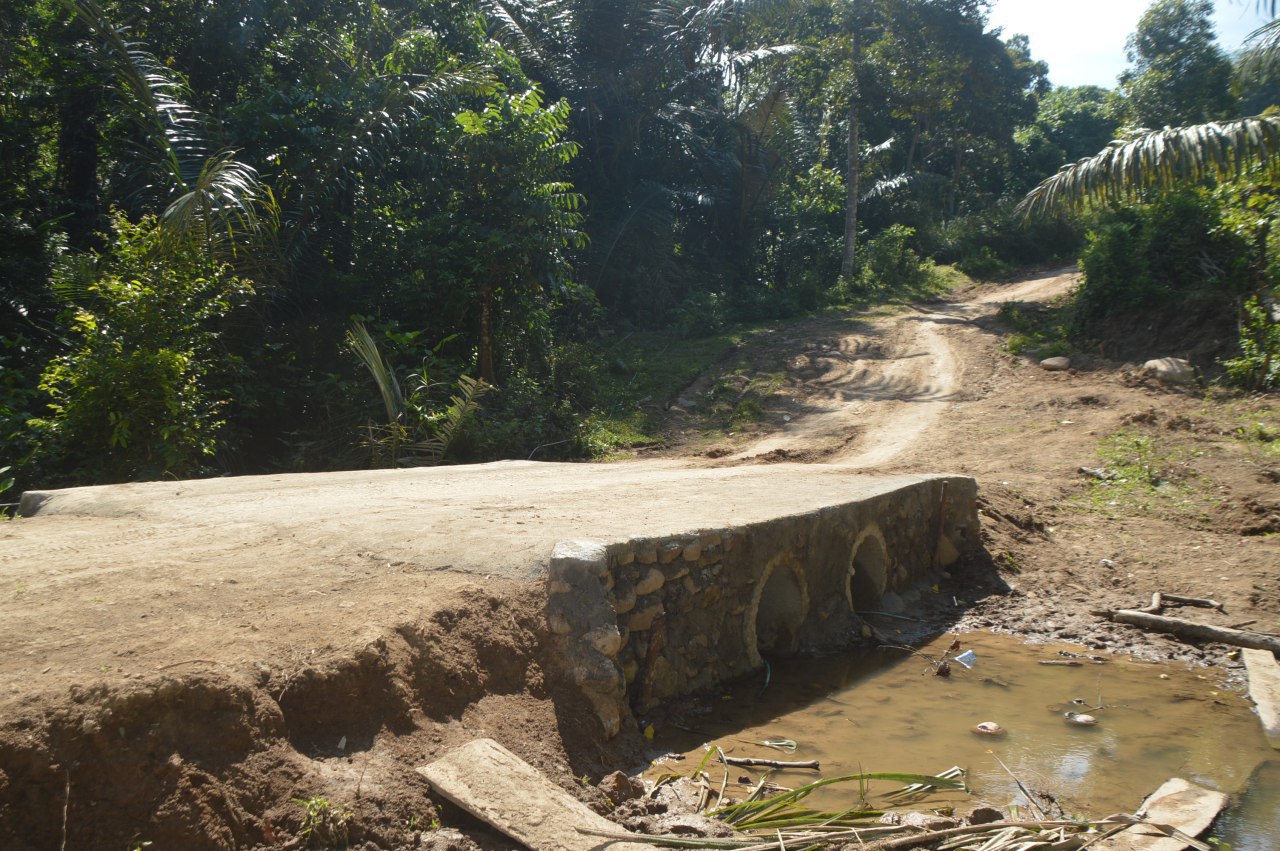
868	573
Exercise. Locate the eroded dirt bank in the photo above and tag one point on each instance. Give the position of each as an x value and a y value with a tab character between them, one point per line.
203	757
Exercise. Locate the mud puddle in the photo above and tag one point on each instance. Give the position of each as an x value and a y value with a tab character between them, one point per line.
890	712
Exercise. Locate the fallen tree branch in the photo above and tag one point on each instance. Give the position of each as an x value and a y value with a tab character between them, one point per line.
1160	600
1175	600
749	762
1192	630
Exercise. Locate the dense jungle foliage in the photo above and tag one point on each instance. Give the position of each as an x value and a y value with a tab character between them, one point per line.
260	235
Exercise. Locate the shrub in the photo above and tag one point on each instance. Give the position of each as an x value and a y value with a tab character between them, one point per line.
984	265
1258	365
890	263
140	392
1171	252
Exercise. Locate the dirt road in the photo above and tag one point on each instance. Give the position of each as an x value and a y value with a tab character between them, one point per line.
891	395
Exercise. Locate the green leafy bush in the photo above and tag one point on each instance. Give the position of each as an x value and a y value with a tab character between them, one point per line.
890	263
984	264
1175	251
1258	365
991	243
798	255
140	392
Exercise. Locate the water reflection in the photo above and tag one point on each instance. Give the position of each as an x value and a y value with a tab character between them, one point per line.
888	712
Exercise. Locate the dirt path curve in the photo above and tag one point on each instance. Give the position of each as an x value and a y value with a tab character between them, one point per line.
870	403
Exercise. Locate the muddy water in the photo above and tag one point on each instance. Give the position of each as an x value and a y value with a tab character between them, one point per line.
890	713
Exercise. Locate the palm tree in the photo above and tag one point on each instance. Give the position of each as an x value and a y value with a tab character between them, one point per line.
1177	157
210	196
659	91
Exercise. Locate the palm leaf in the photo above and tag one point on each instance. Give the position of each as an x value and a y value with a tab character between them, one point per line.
219	199
1161	161
158	97
782	808
453	420
361	342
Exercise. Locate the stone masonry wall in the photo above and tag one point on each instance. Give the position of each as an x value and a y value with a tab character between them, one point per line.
645	620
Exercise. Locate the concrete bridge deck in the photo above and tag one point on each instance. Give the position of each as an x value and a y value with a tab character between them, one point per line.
111	582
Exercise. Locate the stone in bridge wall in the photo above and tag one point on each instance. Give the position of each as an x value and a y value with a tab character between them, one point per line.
645	620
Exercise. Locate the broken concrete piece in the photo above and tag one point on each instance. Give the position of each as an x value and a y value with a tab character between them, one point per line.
496	786
1178	803
1264	691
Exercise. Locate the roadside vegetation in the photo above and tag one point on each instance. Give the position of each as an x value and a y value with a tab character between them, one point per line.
240	239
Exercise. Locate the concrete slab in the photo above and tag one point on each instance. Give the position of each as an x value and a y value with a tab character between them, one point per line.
1264	691
116	583
1178	803
496	786
510	514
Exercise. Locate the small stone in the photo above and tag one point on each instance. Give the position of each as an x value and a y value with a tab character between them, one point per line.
559	624
989	728
624	598
1058	364
664	681
587	555
619	787
710	539
651	581
693	551
669	552
647	554
558	586
606	639
625	557
676	571
630	669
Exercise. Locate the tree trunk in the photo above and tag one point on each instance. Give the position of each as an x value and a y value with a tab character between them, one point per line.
78	161
953	190
851	202
486	334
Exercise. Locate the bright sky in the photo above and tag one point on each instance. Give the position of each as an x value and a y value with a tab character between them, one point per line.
1083	40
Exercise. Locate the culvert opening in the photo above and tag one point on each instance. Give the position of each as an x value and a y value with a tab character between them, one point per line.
868	573
779	613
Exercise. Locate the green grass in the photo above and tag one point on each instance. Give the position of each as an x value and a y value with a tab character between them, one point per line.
1143	474
1035	333
1260	431
651	368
